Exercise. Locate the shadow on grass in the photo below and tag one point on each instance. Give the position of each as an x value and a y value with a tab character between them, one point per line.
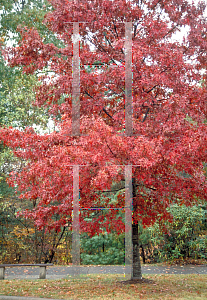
136	281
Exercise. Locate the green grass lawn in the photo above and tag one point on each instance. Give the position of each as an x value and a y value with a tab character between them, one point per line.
161	287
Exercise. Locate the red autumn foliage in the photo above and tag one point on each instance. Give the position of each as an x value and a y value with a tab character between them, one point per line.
169	110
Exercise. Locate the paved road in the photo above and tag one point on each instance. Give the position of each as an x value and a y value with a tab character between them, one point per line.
58	272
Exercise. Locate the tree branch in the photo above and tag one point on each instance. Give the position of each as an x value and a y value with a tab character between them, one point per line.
112	190
148	109
111	150
107	113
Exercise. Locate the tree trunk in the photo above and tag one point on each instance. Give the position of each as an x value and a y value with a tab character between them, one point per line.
136	264
143	254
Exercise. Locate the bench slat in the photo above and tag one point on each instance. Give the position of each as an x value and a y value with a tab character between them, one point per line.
25	265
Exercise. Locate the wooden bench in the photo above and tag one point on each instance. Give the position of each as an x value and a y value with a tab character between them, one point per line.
42	273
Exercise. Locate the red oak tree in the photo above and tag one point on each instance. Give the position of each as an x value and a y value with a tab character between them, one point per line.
168	144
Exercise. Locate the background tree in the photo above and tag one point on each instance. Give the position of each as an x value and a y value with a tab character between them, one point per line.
182	241
18	236
169	110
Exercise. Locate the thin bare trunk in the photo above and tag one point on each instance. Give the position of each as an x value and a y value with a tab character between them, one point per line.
136	264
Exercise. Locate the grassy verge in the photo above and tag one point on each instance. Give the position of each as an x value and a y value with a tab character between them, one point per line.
170	287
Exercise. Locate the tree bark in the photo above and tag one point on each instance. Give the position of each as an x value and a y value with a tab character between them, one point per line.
136	264
143	254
